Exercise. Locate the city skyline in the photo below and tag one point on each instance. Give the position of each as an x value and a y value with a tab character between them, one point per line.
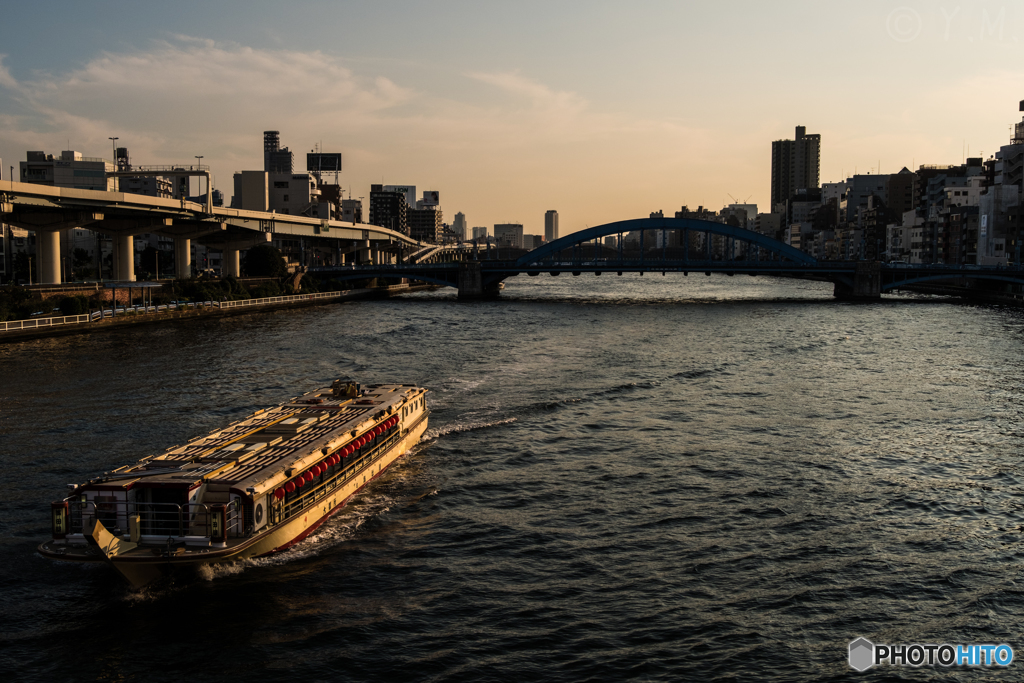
585	120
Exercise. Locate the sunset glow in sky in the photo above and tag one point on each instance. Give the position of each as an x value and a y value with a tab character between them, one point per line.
600	110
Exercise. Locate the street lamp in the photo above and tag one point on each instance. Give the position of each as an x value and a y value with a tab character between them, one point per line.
113	149
199	159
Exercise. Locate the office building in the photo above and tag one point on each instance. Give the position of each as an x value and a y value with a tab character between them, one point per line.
352	210
551	226
407	191
902	191
746	213
769	225
480	233
459	226
70	170
147	185
277	188
858	189
509	234
296	194
795	165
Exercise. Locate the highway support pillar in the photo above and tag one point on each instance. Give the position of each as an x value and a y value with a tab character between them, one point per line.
867	283
48	246
232	265
125	258
183	257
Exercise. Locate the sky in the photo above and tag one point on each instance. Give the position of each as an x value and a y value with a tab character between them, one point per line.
600	110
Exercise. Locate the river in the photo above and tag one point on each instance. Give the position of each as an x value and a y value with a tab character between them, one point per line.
625	478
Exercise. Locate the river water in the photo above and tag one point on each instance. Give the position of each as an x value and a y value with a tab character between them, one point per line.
625	478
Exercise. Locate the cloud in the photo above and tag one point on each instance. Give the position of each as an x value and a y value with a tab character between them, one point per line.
488	139
189	95
540	96
6	80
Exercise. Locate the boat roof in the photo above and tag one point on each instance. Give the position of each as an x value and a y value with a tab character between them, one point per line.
266	448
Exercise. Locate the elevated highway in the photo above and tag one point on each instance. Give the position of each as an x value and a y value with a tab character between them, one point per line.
49	210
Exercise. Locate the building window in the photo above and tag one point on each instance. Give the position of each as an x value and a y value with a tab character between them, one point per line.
281	184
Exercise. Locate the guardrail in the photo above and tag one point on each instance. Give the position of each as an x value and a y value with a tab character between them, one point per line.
279	299
44	322
107	313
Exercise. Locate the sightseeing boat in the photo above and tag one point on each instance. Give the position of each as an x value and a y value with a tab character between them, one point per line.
254	488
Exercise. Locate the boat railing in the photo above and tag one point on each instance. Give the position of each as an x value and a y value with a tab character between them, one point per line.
328	482
157	521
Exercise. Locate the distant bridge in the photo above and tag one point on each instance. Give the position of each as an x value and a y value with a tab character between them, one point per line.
671	245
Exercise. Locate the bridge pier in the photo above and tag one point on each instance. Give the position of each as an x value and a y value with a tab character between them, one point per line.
48	247
183	257
471	282
867	283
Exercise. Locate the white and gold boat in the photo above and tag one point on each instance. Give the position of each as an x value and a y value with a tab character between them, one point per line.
255	488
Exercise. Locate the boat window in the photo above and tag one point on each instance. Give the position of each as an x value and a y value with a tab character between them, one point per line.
106	510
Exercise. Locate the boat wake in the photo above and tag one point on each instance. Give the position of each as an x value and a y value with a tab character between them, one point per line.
339	528
460	427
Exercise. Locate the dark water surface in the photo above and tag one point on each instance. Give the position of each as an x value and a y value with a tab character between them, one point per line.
625	479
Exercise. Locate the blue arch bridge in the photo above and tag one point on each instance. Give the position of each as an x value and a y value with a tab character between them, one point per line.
662	245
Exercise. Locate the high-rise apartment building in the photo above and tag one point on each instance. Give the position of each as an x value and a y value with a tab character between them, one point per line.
551	226
795	165
425	223
388	209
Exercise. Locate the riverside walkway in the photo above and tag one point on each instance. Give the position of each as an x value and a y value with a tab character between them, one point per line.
118	316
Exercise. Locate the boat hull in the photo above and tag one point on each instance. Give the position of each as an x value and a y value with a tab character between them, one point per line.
142	566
